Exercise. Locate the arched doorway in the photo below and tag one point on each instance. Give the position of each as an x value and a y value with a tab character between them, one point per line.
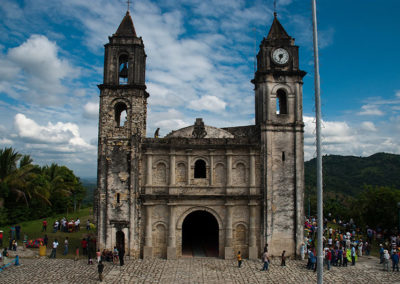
200	235
120	240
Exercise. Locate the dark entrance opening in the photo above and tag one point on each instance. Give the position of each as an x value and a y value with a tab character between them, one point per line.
200	235
120	240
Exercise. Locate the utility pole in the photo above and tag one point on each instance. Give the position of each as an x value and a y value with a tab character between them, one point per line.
320	256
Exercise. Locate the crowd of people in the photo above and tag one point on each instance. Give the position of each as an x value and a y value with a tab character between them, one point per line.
64	225
114	256
345	245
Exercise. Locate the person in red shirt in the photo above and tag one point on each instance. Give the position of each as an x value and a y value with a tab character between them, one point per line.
84	244
328	258
44	225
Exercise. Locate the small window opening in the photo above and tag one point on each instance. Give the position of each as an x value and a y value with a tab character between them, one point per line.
281	102
283	156
123	70
200	169
118	198
120	114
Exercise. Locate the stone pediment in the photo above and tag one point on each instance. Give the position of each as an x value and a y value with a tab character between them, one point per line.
200	130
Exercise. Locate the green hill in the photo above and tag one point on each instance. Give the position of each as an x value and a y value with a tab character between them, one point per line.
90	184
347	175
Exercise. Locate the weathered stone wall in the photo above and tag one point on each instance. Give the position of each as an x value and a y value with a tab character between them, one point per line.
282	135
180	189
119	166
253	184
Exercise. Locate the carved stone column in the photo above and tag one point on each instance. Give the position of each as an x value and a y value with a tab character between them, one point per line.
252	179
188	153
149	171
211	166
253	250
172	168
252	169
229	254
171	249
148	247
228	167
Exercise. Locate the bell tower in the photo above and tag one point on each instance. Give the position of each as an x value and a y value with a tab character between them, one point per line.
122	126
278	114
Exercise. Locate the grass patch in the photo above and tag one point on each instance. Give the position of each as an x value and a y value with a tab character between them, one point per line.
33	229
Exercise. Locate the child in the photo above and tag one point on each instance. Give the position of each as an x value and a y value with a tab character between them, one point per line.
283	262
115	255
239	259
76	254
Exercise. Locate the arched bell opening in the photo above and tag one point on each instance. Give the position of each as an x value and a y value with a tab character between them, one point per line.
121	114
281	102
123	69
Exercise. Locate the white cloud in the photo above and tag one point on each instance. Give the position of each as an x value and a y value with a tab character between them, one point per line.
341	138
91	110
35	72
325	37
368	126
66	135
370	109
335	136
170	124
8	70
38	57
209	103
5	141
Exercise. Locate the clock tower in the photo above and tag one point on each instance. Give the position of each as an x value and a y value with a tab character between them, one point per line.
278	114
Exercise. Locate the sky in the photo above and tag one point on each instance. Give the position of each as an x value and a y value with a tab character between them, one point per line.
200	60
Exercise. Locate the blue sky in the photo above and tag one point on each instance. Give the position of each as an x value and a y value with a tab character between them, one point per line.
200	63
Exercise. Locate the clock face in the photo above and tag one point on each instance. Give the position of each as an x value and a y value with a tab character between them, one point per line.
280	56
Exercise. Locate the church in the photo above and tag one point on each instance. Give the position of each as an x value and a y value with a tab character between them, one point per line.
201	190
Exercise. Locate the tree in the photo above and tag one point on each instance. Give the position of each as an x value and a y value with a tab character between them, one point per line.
65	188
377	207
30	191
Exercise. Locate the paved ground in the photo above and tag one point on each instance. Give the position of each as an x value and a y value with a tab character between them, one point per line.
190	270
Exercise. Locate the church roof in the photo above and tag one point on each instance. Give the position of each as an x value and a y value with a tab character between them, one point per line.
199	130
277	30
126	27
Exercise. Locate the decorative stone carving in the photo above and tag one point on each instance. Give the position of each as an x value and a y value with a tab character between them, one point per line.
199	130
123	176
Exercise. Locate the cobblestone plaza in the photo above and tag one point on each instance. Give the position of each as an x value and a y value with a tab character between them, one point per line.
190	270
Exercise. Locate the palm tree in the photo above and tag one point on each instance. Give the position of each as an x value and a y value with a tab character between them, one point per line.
8	161
25	160
18	180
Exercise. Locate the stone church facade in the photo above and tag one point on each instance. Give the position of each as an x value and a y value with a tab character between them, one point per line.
200	190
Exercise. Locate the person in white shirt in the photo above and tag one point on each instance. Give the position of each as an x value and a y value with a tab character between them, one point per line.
54	249
77	223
